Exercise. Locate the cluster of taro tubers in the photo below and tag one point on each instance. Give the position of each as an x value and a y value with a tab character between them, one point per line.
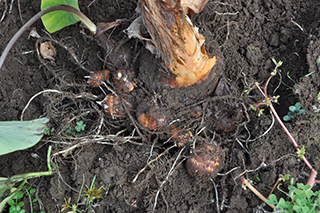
184	67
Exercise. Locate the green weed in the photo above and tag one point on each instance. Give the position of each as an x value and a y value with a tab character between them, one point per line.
16	202
293	111
301	199
75	132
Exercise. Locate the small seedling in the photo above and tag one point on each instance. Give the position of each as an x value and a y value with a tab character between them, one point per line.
296	81
7	184
302	199
301	205
91	194
76	130
301	152
16	204
293	111
80	126
47	131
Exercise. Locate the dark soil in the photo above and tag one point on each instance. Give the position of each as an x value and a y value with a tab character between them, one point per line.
246	33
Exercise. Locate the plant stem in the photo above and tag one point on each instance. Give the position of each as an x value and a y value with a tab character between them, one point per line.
275	185
248	184
30	201
21	177
312	178
289	134
5	200
92	27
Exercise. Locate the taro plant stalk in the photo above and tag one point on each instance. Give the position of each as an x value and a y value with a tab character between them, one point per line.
178	42
268	101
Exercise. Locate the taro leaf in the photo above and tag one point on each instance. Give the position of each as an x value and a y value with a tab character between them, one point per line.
19	135
57	20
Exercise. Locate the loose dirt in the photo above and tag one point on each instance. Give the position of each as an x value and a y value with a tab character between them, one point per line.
246	33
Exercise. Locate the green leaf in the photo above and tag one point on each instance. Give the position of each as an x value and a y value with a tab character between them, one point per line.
287	117
309	194
301	111
253	107
20	204
19	135
13	209
18	195
11	202
302	186
272	199
286	177
292	190
33	190
298	105
57	20
34	200
292	181
292	108
284	204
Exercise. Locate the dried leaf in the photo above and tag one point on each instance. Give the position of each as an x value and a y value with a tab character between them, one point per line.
135	29
193	6
104	26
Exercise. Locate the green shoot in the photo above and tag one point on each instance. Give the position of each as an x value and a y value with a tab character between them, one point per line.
301	152
260	112
293	111
286	177
47	131
92	193
15	204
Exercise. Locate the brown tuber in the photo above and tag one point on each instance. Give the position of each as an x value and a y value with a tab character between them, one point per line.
152	116
123	79
96	78
180	136
206	161
113	106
